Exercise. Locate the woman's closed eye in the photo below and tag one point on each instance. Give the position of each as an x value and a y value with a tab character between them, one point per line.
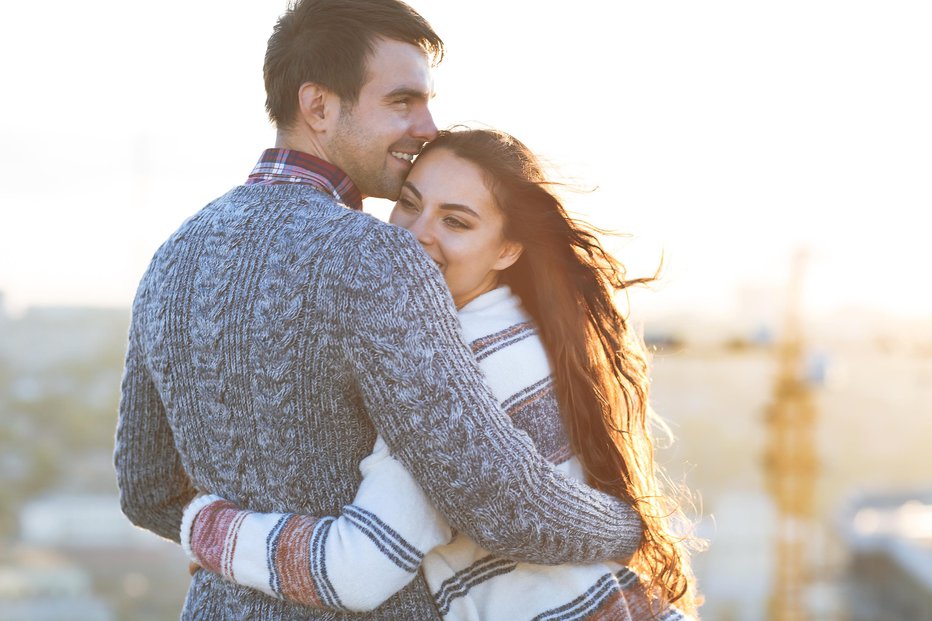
456	223
406	204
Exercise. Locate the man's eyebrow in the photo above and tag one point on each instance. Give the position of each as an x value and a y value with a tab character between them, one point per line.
404	91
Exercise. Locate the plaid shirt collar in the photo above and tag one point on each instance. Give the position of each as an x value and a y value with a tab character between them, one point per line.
278	166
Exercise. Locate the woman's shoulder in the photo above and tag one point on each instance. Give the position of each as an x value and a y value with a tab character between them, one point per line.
493	312
503	338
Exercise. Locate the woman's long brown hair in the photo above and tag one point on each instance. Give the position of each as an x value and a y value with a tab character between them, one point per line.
567	282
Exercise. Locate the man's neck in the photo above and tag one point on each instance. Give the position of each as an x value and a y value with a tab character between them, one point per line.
297	142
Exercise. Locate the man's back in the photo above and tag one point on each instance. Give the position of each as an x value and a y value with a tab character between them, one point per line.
271	335
237	322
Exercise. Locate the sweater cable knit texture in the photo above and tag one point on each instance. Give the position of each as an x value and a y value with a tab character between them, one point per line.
272	336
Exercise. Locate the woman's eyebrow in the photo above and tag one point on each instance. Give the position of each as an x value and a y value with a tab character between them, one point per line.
413	189
458	207
447	206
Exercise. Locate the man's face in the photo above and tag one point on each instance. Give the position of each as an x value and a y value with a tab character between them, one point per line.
376	140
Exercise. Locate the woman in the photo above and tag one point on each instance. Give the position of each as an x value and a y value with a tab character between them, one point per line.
534	290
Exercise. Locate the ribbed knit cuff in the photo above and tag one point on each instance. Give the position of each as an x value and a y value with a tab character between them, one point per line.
187	521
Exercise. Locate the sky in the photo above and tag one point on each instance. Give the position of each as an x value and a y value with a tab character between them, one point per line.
724	135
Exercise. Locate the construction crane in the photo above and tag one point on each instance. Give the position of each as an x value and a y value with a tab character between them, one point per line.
790	464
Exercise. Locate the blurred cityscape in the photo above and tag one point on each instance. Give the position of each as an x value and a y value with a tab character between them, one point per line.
864	549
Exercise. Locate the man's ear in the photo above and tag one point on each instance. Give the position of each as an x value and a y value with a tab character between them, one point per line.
318	106
510	252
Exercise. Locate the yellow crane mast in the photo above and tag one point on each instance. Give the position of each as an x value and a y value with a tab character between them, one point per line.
790	464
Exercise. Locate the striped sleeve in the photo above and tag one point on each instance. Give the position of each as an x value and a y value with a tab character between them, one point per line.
353	562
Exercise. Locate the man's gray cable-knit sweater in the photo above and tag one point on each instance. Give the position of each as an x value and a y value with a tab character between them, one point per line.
272	335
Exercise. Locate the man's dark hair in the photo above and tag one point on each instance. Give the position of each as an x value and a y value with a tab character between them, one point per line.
329	42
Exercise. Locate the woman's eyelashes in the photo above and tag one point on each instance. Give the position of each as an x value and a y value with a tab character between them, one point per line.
406	204
453	222
456	223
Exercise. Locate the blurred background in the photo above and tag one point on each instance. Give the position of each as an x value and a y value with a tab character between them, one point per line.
776	155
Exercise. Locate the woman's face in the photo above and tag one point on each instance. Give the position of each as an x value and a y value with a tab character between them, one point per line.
445	203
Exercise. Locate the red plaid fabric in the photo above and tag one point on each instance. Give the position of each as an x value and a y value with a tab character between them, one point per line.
277	166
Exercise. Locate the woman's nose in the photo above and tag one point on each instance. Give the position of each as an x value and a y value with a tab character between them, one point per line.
423	231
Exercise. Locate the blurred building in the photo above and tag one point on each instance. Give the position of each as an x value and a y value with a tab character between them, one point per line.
736	571
79	558
889	538
80	521
39	585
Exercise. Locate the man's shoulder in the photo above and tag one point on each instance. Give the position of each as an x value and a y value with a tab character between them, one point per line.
369	240
319	230
299	204
373	259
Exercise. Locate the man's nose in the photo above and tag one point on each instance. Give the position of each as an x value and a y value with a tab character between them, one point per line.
425	129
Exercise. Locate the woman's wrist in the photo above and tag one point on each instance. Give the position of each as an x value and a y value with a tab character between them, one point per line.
188	519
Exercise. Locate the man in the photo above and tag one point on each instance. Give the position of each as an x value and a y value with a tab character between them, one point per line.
280	328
